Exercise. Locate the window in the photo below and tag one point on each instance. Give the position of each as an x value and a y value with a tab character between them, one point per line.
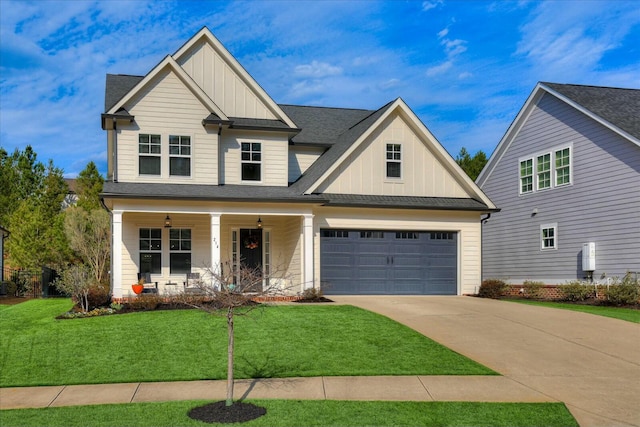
336	233
544	171
548	236
552	169
563	167
372	235
526	176
394	160
179	155
251	161
441	236
149	154
150	250
407	235
180	250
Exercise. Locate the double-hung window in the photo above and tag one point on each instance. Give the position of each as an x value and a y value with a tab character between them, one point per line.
563	167
394	161
150	240
526	176
544	171
251	161
548	236
180	250
179	155
149	154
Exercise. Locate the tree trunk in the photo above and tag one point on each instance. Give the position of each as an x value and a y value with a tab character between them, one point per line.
229	401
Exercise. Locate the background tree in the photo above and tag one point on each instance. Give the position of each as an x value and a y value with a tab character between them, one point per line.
88	187
471	165
88	234
21	177
36	219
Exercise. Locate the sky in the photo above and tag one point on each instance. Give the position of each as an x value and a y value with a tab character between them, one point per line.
464	67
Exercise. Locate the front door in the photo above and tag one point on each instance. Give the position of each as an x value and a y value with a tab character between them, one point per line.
251	249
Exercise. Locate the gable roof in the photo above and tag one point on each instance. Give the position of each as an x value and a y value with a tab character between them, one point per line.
616	108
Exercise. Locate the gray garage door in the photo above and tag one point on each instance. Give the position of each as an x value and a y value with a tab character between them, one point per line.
368	262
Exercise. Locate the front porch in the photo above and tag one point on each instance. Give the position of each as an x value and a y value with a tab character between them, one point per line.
169	244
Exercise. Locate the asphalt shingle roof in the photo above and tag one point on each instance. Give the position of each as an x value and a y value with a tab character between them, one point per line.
620	107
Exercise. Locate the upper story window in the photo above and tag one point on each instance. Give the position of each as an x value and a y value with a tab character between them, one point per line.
150	240
179	155
526	176
546	176
563	166
394	161
149	154
251	161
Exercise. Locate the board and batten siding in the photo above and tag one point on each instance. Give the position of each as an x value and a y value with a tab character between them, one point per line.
222	84
465	224
167	107
274	158
300	158
364	171
601	205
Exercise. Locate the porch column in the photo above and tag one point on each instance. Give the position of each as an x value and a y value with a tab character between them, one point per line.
116	254
307	233
215	242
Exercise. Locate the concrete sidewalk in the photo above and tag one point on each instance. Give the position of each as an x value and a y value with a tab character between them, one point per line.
400	388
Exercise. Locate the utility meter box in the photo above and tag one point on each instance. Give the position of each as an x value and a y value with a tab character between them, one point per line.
589	256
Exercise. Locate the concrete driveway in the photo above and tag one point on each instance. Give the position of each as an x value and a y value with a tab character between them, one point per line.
591	363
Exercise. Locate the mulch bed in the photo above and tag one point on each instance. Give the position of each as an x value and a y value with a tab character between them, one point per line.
218	412
320	299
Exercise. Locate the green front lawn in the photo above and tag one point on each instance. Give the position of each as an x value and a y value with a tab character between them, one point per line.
305	413
628	314
277	341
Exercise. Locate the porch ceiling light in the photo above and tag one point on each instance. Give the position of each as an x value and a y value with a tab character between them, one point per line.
259	223
167	222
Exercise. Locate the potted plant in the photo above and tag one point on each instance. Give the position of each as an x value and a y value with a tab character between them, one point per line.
138	287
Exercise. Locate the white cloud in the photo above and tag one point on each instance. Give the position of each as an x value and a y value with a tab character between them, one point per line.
439	69
389	84
430	4
317	70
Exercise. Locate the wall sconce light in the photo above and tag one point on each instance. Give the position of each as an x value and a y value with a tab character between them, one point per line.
167	222
259	223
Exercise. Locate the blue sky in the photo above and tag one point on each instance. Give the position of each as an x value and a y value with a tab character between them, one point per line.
464	67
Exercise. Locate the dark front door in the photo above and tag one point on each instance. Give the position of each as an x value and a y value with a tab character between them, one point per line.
251	250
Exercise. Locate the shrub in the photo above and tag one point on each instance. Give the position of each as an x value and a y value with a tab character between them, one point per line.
312	294
532	289
144	302
492	288
98	296
577	290
626	292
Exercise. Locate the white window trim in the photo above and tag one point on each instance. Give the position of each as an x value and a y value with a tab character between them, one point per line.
178	251
386	161
553	226
261	163
189	156
534	158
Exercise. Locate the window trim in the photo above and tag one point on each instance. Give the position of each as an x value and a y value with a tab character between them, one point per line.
552	171
251	161
180	155
151	251
393	160
180	250
550	226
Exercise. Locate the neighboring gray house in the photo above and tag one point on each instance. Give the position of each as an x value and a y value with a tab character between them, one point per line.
567	172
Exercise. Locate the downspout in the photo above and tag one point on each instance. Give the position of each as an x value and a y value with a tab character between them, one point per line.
115	150
482	221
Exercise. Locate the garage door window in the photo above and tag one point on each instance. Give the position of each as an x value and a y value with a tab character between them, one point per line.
441	236
407	235
336	233
372	235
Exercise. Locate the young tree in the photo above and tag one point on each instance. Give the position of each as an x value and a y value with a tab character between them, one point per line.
89	237
229	293
471	165
88	187
77	282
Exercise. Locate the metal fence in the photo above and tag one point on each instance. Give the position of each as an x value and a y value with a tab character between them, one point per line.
28	283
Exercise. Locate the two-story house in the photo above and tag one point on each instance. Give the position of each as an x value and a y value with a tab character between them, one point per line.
566	174
206	170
